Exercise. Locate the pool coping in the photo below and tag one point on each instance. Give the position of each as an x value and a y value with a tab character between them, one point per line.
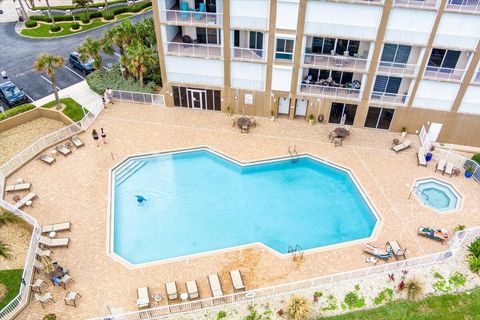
111	191
443	182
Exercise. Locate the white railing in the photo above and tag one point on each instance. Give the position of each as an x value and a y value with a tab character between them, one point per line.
196	79
247	54
397	69
194	49
391	98
427	4
472	6
249	23
439	73
332	61
139	97
179	17
476	78
306	287
326	91
248	84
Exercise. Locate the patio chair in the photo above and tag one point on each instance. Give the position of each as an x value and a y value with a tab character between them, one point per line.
381	253
172	292
237	281
253	122
44	298
332	135
201	11
338	141
64	226
77	142
64	280
42	253
441	166
71	298
397	250
449	169
215	286
63	150
184	10
434	234
22	202
192	289
38	285
143	300
18	187
37	265
47	159
55	242
244	128
422	161
402	146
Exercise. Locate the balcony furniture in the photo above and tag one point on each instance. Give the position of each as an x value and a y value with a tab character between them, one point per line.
422	161
70	298
402	146
44	298
215	285
201	9
434	234
395	142
186	39
38	285
346	53
184	10
143	300
337	141
192	289
364	55
171	289
237	281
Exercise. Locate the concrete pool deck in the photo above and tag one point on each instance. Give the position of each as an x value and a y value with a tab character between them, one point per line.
75	188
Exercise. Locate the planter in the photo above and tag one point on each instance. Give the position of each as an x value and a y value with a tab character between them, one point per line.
311	121
468	174
272	118
404	134
428	156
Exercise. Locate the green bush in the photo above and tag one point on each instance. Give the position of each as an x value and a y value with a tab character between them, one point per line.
386	295
119	10
73	109
40	18
85	20
139	6
31	23
94	15
75	26
353	300
62	18
474	248
108	15
71	7
55	28
476	158
17	110
50	316
100	80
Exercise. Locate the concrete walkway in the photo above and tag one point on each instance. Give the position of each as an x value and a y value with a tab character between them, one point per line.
9	12
80	92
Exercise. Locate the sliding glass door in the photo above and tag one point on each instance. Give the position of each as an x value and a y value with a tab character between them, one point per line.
342	113
379	118
443	60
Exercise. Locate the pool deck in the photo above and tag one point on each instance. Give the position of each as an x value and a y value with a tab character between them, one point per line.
76	188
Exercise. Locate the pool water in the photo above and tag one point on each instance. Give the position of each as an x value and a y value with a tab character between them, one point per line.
437	194
198	201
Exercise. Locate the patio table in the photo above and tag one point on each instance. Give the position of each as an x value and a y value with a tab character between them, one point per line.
341	132
243	121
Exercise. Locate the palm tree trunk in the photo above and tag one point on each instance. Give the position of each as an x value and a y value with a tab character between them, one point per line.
50	12
140	76
55	91
23	9
106	6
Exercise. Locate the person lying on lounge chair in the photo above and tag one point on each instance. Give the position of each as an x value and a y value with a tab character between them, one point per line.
381	253
432	233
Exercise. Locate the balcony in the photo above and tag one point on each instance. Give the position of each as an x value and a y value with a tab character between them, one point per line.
397	69
422	4
247	54
327	91
388	98
191	18
469	6
335	62
439	73
194	50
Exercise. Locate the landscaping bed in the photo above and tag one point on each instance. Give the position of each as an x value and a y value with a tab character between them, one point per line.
72	109
11	279
16	110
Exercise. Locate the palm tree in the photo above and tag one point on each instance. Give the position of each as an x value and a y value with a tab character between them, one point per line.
120	35
5	250
48	63
83	4
7	217
50	12
138	56
90	48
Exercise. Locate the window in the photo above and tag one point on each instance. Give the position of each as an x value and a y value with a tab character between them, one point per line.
443	58
395	53
255	42
385	84
337	76
342	113
379	118
284	49
208	36
236	38
338	46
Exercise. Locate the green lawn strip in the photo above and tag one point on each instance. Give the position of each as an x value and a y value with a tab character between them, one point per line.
71	7
12	280
16	110
73	109
445	307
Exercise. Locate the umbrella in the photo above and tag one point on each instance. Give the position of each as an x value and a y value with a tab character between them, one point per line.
47	264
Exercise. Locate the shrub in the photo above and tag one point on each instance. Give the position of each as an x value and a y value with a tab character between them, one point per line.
298	308
17	110
331	303
414	289
457	279
108	16
476	158
474	263
75	26
40	18
460	227
100	80
221	315
474	248
62	18
85	20
50	316
119	10
352	300
31	23
55	28
139	6
96	14
385	295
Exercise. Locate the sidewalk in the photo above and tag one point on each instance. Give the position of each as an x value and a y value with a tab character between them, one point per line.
80	92
9	11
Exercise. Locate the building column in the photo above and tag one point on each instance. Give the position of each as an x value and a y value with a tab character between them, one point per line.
467	79
270	52
163	69
227	85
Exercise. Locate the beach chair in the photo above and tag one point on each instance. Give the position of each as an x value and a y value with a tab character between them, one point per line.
71	298
64	226
172	292
397	250
237	281
22	202
192	289
18	187
422	161
201	11
441	166
448	169
47	159
381	253
44	298
215	286
434	234
143	300
63	150
42	253
77	142
55	242
402	146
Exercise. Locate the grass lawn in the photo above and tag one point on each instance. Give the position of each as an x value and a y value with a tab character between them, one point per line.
463	306
12	280
73	109
16	110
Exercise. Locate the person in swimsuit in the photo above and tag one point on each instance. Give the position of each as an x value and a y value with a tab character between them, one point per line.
95	137
104	135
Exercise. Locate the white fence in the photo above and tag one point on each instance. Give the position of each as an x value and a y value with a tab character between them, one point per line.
139	97
300	287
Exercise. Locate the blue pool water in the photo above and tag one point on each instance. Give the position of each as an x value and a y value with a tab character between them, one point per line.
198	201
438	195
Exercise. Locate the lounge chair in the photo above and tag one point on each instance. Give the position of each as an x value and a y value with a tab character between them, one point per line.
422	161
22	202
55	242
64	280
441	166
449	169
37	265
47	159
42	253
77	142
435	234
18	187
63	150
402	146
64	226
44	298
201	11
237	281
172	292
397	250
215	286
192	289
143	300
381	253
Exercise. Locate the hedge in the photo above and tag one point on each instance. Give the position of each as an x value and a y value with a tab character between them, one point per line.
476	158
55	28
100	80
72	7
16	110
31	23
75	26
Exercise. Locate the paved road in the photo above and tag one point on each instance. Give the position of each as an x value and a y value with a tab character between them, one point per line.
18	53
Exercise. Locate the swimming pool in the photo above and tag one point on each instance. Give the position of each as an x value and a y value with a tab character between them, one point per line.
437	194
198	201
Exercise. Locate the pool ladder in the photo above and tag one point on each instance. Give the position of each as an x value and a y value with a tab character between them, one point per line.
296	252
425	196
293	152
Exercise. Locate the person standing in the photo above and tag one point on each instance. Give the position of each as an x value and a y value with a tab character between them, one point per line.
104	135
3	73
95	137
109	93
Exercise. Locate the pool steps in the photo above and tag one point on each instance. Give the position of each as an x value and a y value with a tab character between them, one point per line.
127	170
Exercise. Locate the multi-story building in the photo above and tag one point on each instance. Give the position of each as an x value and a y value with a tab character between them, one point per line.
382	64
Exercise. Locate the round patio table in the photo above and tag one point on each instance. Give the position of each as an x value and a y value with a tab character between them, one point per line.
243	121
341	132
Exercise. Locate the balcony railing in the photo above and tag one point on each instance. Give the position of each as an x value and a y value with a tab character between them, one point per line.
390	98
329	61
476	78
249	23
248	84
178	17
427	4
439	73
326	91
397	69
472	6
247	54
194	49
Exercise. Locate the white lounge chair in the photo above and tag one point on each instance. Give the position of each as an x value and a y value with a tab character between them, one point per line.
42	253
143	300
44	298
18	187
192	289
64	150
171	288
55	242
402	146
47	159
22	202
64	226
77	142
237	281
422	161
441	166
215	286
449	169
